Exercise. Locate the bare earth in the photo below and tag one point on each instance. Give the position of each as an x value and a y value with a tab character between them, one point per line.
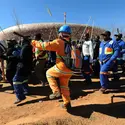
90	107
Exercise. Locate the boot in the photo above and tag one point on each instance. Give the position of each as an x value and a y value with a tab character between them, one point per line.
19	100
67	106
55	95
103	90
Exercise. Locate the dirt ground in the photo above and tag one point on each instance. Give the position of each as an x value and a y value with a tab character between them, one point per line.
90	107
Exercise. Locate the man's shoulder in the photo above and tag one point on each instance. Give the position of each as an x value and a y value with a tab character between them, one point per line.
58	41
101	42
122	41
89	41
112	41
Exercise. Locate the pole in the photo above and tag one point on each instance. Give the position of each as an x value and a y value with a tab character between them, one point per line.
50	13
118	31
85	29
16	19
64	17
92	30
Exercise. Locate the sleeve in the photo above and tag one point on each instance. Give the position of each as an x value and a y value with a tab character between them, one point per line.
82	49
116	49
23	52
123	48
50	46
12	57
91	51
100	51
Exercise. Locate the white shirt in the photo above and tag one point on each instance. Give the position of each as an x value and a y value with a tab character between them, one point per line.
87	49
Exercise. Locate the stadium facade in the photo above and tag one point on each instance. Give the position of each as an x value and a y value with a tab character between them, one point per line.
48	30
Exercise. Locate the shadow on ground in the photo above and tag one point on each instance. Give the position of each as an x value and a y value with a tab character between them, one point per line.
34	101
116	110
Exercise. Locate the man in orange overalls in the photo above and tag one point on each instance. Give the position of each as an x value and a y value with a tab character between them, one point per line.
60	70
76	56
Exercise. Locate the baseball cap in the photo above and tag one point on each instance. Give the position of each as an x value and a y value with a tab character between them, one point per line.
119	35
106	33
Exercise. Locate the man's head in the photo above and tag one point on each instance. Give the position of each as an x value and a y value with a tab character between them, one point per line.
73	43
118	36
26	40
11	43
97	38
86	36
106	35
65	32
38	36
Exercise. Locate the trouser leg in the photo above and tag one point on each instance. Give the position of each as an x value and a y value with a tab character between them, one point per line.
115	71
25	88
64	82
18	87
19	91
87	70
40	70
104	74
9	75
51	75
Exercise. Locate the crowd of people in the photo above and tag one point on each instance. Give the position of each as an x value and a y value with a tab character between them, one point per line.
61	57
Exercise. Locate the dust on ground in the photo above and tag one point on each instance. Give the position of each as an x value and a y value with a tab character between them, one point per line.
90	107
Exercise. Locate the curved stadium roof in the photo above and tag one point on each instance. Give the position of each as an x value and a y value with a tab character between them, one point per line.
48	30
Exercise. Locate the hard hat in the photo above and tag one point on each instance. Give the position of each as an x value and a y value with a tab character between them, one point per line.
65	29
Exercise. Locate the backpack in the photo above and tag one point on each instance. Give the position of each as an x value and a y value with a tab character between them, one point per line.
67	58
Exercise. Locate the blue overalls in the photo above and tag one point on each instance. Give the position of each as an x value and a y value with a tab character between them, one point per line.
108	52
24	66
120	60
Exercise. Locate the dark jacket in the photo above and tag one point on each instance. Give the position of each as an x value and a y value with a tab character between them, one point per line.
96	50
26	55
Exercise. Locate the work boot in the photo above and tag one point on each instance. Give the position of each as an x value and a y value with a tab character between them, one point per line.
103	90
26	93
67	106
44	84
55	95
19	100
13	92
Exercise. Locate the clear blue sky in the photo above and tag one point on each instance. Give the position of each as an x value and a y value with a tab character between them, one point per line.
105	13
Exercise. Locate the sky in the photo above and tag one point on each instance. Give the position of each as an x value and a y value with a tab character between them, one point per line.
108	14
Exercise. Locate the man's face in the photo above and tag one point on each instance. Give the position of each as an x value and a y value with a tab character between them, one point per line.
64	35
105	37
86	37
73	43
10	44
117	38
96	39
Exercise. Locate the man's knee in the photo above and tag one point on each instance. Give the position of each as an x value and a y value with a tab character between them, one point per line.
104	68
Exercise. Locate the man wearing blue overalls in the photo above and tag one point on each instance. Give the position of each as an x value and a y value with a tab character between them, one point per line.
120	60
108	52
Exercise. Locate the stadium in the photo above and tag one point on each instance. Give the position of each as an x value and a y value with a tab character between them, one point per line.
47	30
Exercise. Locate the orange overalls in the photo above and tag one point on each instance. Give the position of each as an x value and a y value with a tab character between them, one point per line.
59	70
76	56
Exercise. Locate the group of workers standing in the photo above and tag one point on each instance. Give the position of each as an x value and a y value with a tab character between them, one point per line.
64	55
